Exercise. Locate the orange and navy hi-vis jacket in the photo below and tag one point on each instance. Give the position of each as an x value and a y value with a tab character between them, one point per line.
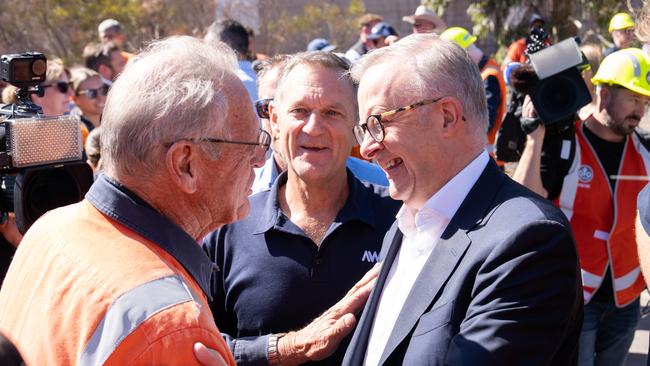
491	68
602	220
108	281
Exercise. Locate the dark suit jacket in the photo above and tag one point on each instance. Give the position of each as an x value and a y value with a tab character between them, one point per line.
501	287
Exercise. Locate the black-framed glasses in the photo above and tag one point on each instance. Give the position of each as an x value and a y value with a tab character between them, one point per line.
262	107
262	144
373	124
61	86
94	93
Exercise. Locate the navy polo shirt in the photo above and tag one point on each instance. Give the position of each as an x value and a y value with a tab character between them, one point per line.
275	279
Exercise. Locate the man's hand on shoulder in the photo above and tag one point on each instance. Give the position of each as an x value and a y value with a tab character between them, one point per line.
207	356
322	336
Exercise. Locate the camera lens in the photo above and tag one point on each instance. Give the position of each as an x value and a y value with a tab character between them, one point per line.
39	67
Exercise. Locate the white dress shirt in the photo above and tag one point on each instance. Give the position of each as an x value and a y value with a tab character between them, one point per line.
421	229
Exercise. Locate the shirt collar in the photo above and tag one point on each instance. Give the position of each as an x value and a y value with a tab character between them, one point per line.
117	202
446	201
357	207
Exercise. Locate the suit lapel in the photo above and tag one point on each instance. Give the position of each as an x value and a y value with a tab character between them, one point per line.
359	342
448	251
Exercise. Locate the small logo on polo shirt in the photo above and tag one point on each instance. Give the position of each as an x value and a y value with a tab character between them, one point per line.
585	174
370	256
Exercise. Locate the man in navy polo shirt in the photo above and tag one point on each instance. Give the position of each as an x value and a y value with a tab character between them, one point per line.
309	238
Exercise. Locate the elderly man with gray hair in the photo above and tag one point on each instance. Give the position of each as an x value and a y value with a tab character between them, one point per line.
120	277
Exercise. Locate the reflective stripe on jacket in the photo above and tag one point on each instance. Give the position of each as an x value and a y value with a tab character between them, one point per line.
86	290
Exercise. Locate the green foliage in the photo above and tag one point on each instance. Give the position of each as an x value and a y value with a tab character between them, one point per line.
439	6
64	27
291	33
564	18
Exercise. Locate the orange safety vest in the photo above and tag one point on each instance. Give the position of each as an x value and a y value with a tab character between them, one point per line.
602	221
84	289
491	68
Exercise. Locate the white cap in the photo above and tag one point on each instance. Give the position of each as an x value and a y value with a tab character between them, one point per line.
107	24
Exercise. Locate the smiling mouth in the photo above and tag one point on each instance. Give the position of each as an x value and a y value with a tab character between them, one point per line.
313	148
392	163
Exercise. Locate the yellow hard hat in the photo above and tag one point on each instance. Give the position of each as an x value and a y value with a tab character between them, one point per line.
458	35
621	21
629	68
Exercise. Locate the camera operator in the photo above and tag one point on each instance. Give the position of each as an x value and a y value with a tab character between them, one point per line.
55	101
598	195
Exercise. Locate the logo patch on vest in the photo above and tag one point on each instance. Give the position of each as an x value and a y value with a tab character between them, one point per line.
585	174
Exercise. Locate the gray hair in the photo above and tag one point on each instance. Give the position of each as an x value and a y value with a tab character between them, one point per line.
328	60
176	89
437	68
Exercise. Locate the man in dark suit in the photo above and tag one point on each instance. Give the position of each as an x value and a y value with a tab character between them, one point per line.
477	270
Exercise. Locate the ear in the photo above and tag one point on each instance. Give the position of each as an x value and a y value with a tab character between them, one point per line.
104	71
273	119
452	116
181	164
604	97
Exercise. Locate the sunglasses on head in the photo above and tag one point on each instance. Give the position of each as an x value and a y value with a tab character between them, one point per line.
94	93
61	86
262	107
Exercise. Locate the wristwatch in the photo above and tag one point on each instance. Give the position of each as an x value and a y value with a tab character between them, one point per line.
272	353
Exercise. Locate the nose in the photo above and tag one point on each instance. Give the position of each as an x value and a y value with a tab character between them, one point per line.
369	147
313	125
259	158
641	107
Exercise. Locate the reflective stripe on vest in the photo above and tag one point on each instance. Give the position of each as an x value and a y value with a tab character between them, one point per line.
131	310
604	232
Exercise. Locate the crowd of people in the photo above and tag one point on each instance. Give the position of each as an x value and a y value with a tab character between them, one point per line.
338	208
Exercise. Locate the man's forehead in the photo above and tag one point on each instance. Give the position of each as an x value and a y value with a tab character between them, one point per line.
382	76
628	93
316	78
381	86
420	22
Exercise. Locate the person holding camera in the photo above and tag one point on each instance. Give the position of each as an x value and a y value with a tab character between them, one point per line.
598	195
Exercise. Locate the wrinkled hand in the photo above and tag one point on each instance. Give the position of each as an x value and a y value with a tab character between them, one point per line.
322	336
9	230
207	356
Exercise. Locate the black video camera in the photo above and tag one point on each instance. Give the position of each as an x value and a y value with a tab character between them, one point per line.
41	158
556	88
560	90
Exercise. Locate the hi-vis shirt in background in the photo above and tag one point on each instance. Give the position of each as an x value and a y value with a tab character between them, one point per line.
604	232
